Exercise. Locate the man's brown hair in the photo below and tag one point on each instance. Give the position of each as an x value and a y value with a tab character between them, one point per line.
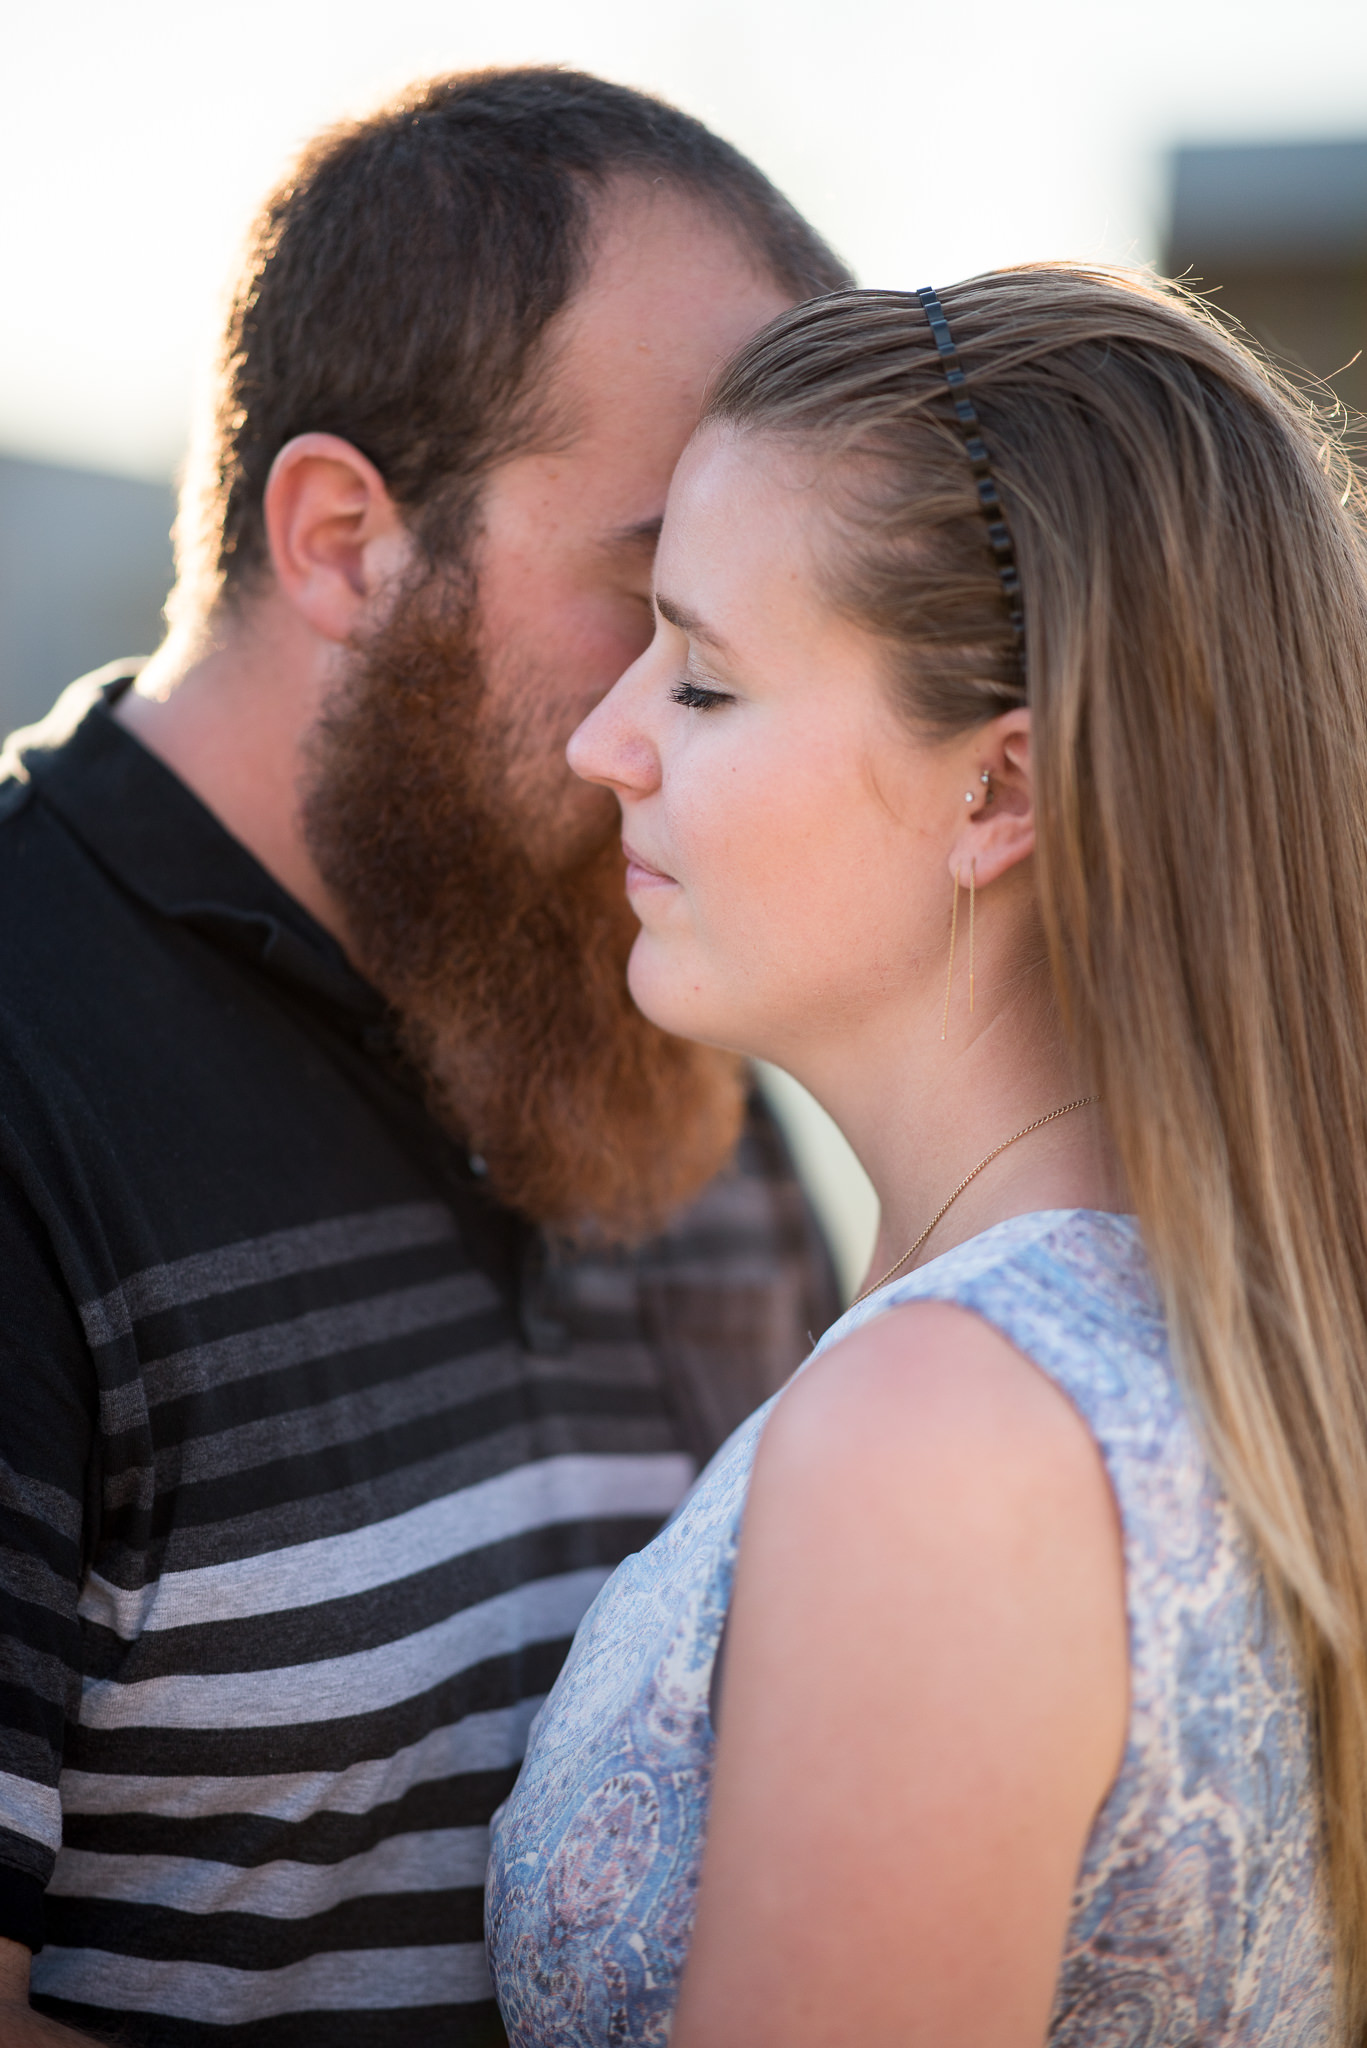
396	285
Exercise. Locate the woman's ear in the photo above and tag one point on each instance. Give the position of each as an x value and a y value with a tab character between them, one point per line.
997	825
336	536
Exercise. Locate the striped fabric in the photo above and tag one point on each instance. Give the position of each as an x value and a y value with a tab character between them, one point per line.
347	1539
311	1458
346	1542
350	1528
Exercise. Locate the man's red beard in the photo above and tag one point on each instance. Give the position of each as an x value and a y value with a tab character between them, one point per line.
509	982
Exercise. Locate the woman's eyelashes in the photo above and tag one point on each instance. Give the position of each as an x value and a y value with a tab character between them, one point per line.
697	696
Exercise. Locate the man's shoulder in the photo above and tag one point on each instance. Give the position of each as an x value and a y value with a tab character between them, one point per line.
30	748
15	794
33	752
46	874
75	954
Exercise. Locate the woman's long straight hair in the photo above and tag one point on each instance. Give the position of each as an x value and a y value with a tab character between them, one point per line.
1191	548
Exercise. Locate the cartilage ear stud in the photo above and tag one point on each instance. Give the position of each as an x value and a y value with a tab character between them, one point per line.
968	796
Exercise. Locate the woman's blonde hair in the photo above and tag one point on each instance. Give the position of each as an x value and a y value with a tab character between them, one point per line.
1195	587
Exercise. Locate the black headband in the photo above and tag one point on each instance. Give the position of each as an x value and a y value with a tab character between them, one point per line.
989	501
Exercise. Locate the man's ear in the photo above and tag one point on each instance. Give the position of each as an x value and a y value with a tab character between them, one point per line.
336	537
997	829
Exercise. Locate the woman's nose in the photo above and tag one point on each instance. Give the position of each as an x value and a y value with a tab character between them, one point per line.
610	747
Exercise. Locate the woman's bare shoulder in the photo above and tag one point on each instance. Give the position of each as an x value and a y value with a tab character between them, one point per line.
925	1697
929	1383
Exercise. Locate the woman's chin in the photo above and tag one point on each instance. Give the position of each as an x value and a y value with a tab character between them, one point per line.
674	994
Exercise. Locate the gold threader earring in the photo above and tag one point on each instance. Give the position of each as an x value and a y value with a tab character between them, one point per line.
986	780
949	978
972	894
953	934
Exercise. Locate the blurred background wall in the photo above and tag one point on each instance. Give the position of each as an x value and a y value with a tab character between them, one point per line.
1222	139
85	565
1280	231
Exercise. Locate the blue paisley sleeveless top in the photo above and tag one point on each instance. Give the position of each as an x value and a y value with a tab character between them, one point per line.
1199	1914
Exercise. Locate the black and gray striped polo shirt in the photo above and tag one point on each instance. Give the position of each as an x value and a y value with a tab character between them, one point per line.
311	1458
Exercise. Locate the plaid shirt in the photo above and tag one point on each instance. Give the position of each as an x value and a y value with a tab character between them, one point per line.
729	1299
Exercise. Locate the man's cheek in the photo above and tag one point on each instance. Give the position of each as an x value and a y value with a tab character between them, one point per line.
545	680
634	623
599	641
556	817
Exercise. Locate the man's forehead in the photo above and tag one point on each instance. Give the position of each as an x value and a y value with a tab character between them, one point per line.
670	293
670	287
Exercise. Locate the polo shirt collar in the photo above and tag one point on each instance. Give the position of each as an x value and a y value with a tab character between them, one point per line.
150	831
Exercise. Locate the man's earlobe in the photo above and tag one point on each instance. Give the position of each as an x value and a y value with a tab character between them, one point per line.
337	539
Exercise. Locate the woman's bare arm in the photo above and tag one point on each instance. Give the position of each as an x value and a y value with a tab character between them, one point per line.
925	1701
20	2026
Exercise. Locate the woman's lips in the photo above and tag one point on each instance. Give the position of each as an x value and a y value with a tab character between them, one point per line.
641	875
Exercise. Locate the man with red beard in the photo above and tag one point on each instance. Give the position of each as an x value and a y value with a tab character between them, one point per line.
355	1321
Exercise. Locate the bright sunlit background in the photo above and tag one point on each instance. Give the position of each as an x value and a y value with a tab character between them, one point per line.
925	140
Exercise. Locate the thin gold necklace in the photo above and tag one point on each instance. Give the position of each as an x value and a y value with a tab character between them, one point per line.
1038	1125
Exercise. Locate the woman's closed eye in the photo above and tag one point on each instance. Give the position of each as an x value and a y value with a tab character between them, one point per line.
698	696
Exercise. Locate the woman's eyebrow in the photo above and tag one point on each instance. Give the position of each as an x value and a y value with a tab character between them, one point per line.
689	622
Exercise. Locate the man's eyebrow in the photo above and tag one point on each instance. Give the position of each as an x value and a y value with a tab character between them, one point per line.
645	534
689	622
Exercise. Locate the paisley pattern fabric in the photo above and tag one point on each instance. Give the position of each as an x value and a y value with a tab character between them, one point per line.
1199	1914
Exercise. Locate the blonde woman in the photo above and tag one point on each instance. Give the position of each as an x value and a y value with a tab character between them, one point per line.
999	768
